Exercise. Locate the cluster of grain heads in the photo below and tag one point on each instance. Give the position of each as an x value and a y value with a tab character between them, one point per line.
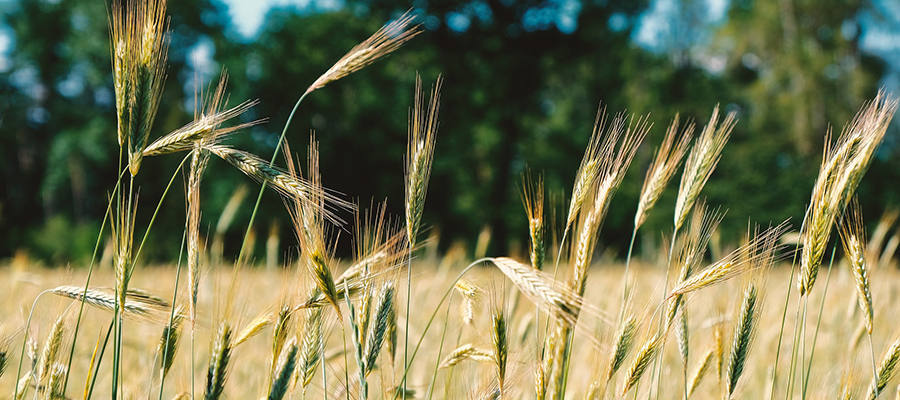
219	358
612	168
843	166
139	52
885	370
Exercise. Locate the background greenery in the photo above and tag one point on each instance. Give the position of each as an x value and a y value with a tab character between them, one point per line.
523	83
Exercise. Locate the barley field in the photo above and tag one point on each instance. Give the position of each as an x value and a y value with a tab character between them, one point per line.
803	308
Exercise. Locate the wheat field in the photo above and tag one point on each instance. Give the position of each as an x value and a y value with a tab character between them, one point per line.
802	308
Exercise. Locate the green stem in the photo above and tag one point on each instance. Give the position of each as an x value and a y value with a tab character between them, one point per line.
812	350
87	283
783	319
263	185
162	377
434	314
437	363
410	243
625	280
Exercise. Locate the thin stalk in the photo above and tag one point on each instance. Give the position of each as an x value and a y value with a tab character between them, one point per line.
90	390
658	361
25	343
812	351
408	295
346	367
262	188
87	283
795	344
165	355
437	363
874	367
434	314
783	318
627	264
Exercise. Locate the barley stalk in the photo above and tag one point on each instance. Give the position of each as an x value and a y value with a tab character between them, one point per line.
423	127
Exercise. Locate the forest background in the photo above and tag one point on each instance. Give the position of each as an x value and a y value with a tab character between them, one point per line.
523	83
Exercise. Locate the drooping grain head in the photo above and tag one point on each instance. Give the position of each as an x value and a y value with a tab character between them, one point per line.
665	163
533	199
207	123
387	39
757	253
470	294
701	162
467	352
853	237
539	289
423	127
137	303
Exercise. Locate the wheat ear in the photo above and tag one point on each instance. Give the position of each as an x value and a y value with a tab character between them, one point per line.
533	199
500	346
665	163
701	162
744	332
702	370
853	237
467	352
218	363
281	378
624	342
168	344
387	39
885	370
644	356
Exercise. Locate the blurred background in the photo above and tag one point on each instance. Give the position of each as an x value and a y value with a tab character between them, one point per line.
523	83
